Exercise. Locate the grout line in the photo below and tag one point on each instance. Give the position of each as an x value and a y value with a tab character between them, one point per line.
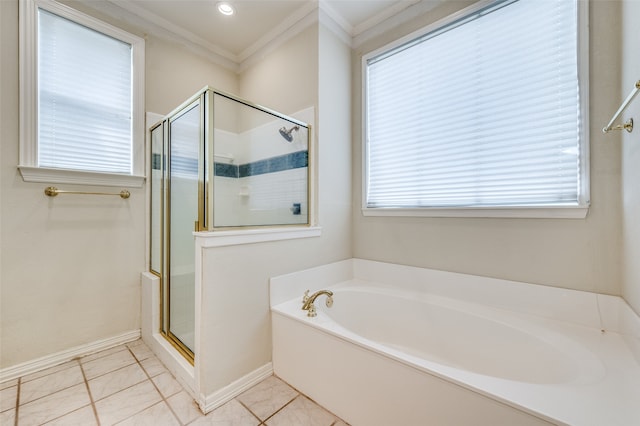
121	390
70	363
112	371
60	390
249	410
51	393
299	394
15	420
137	362
283	407
93	403
162	396
66	414
156	387
95	356
338	419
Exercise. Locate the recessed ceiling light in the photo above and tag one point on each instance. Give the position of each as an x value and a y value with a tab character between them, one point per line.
225	8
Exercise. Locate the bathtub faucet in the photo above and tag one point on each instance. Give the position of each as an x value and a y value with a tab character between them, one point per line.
307	301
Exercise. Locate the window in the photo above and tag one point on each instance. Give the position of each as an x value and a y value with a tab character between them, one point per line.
481	115
82	98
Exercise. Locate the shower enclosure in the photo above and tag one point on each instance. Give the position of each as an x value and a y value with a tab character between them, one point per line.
218	163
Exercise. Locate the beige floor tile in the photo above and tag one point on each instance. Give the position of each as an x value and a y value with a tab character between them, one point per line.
153	366
167	385
185	407
46	385
126	403
8	417
8	398
8	383
124	395
267	397
113	382
140	350
82	417
107	364
48	371
302	411
53	406
156	415
230	414
102	354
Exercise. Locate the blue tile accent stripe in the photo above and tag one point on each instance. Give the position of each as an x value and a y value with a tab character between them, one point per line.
156	161
225	170
295	160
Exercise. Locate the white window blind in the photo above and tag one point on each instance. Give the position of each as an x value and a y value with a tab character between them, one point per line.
84	98
484	112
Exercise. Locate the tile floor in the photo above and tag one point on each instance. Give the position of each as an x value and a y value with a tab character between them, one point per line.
127	385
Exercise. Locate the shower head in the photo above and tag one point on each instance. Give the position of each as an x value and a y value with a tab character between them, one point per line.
287	133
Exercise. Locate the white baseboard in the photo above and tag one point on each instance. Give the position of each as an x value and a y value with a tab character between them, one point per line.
210	402
177	364
52	360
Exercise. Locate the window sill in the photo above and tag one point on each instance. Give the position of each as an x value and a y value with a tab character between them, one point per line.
78	177
579	212
251	236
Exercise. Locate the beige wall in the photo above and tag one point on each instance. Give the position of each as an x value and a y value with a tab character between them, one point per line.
286	79
581	254
631	155
174	74
236	331
70	266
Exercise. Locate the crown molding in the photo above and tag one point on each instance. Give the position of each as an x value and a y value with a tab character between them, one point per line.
315	11
382	16
391	18
269	45
291	24
338	19
174	29
332	25
162	28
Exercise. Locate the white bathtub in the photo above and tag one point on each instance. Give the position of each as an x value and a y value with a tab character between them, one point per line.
410	346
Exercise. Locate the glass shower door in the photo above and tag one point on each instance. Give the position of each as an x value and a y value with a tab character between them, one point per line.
185	149
217	163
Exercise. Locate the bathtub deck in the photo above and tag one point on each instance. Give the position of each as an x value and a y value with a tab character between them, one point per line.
599	332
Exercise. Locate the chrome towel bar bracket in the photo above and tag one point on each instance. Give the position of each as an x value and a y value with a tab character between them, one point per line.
628	125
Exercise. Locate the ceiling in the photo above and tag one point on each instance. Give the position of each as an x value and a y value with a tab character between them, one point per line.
254	25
